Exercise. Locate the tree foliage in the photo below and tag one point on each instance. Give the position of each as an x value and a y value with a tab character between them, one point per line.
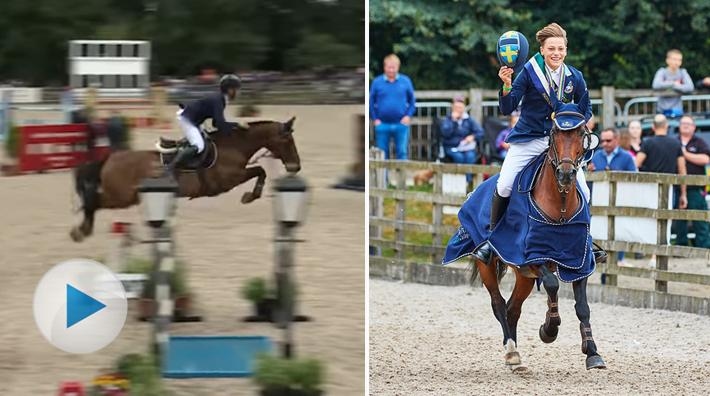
186	35
450	44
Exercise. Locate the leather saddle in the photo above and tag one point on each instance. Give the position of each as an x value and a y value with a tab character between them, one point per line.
168	149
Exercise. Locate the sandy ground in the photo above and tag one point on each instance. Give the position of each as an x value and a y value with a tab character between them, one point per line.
224	242
445	341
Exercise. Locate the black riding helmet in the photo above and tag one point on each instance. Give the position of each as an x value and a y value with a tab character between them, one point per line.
229	81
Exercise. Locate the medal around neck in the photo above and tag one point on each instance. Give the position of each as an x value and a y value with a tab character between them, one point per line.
512	49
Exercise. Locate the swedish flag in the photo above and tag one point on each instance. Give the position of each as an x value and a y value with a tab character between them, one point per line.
509	53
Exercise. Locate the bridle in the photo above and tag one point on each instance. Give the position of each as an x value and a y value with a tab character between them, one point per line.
556	163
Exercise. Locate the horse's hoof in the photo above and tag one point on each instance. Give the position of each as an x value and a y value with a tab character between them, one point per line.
247	197
518	368
596	362
76	235
544	337
512	359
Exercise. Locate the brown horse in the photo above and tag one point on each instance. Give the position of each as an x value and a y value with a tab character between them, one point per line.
555	194
113	183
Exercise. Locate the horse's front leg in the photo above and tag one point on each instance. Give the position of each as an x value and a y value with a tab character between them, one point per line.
548	330
521	291
248	174
582	308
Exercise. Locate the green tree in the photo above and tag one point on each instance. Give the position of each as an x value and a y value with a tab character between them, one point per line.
450	44
442	43
186	35
626	50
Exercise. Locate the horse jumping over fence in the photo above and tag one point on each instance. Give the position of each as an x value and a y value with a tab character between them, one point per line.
113	183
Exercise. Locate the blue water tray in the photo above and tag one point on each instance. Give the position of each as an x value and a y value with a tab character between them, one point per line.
213	356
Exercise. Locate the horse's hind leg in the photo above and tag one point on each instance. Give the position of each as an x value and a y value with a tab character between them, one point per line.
260	174
548	331
88	190
489	277
582	308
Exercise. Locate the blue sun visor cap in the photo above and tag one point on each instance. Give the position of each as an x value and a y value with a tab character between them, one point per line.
512	49
568	116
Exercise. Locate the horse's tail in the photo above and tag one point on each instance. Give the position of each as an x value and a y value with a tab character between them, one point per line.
87	179
501	270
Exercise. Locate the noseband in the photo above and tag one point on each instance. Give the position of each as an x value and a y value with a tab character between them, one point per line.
556	163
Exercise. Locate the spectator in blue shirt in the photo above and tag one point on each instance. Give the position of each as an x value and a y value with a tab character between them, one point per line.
392	104
612	156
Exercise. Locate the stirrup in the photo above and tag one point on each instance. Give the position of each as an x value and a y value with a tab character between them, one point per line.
483	253
600	255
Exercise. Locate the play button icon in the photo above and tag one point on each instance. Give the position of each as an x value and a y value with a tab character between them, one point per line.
80	306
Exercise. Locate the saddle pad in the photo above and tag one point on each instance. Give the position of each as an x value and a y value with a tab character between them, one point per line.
206	159
524	236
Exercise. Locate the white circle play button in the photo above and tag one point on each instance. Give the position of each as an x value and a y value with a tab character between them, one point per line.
80	306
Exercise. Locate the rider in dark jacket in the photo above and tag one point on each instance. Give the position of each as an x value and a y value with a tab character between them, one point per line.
195	113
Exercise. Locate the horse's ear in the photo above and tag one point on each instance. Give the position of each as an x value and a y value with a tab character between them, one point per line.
558	105
288	126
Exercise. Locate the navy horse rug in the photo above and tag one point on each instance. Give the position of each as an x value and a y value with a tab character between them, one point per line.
524	235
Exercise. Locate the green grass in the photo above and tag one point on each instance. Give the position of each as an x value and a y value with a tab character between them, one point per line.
419	212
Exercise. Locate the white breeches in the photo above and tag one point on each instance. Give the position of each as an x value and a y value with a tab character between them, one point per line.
519	155
191	132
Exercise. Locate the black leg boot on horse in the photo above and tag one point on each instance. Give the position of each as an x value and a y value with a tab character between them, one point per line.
589	347
180	158
498	208
549	329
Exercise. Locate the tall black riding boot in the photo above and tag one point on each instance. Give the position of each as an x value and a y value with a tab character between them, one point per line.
180	157
498	207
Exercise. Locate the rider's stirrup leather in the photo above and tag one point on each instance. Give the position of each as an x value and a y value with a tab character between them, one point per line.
181	156
600	254
498	208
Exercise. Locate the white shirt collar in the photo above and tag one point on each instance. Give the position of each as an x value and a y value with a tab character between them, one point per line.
555	74
226	99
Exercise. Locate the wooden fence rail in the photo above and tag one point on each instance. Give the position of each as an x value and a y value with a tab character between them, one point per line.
397	171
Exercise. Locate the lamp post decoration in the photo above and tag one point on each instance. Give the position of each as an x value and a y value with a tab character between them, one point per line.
290	206
158	198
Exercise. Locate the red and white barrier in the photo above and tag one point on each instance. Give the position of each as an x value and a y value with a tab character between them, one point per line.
45	147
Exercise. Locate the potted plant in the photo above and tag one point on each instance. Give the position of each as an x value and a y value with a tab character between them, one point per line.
288	377
178	290
142	373
256	291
